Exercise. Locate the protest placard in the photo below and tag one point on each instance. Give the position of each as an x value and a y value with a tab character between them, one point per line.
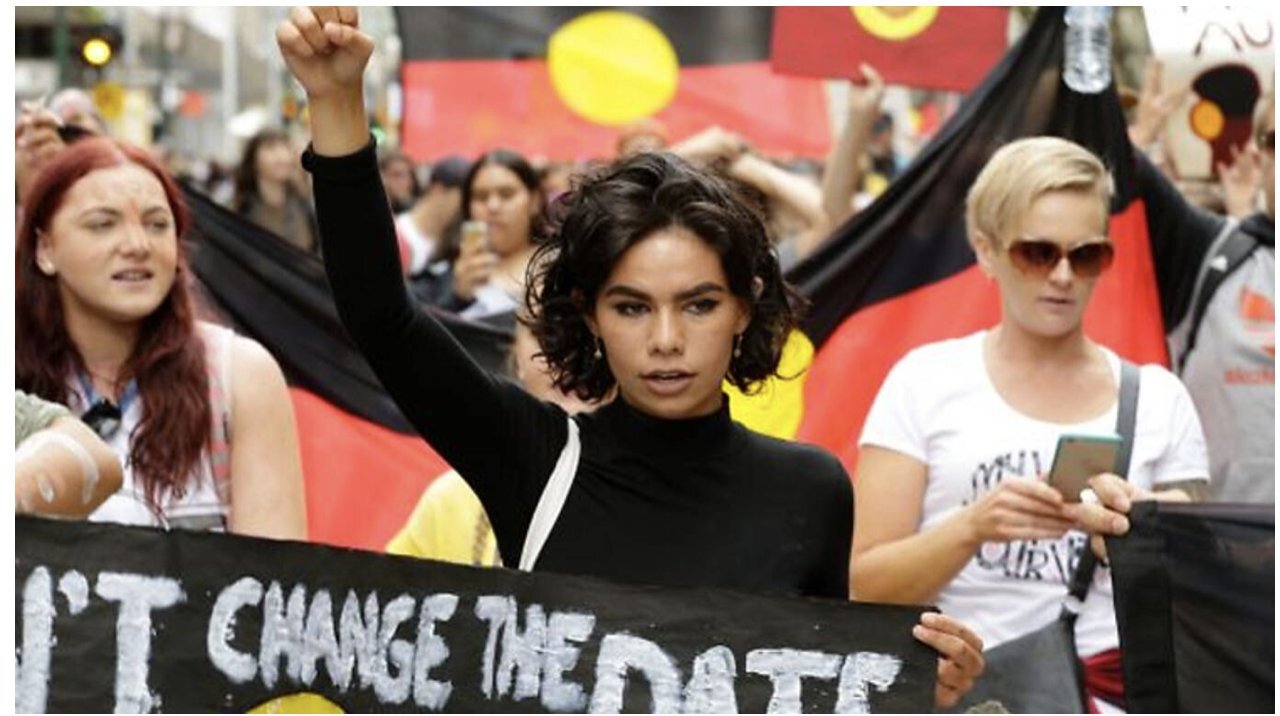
130	620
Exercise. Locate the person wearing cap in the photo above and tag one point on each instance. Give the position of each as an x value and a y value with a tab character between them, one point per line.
437	208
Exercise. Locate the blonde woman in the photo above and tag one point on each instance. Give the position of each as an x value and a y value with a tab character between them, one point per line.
951	502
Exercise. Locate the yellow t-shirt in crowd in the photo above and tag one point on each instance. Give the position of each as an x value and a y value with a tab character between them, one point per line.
448	524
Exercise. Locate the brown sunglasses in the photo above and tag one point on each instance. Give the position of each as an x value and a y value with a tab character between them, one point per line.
1037	256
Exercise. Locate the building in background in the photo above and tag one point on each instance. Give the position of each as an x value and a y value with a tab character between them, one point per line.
200	80
195	80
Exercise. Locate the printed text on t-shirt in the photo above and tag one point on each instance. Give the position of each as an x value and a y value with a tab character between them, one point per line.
1029	560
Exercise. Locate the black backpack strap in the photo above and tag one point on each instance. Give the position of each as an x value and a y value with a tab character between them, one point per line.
1126	418
1226	256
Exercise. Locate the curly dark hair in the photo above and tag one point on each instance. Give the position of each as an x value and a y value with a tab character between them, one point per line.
611	210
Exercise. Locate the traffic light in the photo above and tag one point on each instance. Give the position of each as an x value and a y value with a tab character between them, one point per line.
97	45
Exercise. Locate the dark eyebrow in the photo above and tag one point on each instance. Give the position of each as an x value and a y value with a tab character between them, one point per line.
706	287
627	291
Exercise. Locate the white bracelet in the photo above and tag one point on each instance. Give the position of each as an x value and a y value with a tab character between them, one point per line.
37	442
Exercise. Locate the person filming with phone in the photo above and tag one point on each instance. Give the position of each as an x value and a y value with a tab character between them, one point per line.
955	502
502	208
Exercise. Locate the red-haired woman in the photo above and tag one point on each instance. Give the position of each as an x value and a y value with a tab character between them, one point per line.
105	325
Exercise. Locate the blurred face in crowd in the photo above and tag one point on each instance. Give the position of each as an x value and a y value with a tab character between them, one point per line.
448	198
275	161
112	246
1049	262
557	180
668	322
881	143
397	177
640	143
506	205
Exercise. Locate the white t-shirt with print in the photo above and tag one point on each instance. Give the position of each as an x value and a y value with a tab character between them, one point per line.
939	406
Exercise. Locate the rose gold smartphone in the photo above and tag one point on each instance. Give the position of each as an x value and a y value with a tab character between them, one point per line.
1080	457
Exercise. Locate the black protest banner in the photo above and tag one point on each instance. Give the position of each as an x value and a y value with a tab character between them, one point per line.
129	619
1195	604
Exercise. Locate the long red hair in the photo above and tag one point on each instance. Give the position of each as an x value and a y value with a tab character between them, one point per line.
168	360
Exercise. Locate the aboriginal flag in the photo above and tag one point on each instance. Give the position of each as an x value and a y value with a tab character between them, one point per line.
901	272
562	81
930	47
365	467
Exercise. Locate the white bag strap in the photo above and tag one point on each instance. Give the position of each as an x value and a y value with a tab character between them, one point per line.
1181	338
552	500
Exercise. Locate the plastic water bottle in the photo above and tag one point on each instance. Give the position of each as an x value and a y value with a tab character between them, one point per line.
1086	65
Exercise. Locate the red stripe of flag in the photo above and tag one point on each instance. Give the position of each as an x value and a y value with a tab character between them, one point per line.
475	105
953	52
363	480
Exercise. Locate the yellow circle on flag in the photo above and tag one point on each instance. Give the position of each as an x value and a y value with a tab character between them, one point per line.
1207	120
304	702
895	22
612	67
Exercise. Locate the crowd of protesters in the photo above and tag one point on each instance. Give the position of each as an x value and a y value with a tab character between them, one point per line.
637	287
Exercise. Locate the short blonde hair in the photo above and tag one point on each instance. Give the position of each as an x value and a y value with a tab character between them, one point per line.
1023	170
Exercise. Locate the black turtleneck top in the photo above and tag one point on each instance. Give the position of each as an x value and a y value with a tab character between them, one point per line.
698	502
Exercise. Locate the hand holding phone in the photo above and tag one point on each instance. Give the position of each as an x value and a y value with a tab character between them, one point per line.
475	236
475	263
1080	457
